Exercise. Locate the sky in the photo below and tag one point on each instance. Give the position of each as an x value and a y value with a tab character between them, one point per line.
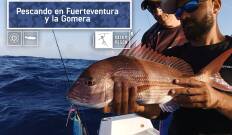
78	44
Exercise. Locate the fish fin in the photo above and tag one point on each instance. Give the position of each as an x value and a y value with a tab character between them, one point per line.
151	95
130	43
170	106
143	52
219	83
212	71
215	66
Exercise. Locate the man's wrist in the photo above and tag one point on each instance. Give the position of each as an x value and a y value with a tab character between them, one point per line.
222	103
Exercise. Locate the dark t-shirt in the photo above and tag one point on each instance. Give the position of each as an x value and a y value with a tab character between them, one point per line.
198	121
160	38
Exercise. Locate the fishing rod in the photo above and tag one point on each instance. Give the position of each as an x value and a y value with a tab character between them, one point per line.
62	60
76	110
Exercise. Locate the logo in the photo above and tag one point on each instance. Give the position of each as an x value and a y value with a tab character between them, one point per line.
30	38
121	39
112	40
25	38
103	39
14	38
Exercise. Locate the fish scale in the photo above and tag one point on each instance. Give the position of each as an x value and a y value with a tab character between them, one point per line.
152	73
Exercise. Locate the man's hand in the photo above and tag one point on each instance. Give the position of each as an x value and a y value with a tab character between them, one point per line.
197	94
124	102
200	95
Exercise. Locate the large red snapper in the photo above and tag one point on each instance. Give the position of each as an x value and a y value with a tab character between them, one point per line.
141	67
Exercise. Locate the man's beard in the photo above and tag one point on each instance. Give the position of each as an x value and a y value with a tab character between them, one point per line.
195	30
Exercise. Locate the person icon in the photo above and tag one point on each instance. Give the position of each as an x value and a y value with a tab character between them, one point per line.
102	37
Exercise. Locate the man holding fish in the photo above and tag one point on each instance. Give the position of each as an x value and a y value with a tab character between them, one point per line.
198	78
204	109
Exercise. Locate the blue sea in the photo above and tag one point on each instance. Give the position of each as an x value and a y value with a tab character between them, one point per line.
33	96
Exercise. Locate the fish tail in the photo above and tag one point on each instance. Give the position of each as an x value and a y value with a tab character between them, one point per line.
219	83
212	71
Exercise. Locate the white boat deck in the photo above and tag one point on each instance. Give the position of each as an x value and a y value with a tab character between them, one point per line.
130	124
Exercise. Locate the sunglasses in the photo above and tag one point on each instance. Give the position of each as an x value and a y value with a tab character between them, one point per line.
189	7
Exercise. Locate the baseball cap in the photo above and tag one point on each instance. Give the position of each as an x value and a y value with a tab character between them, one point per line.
168	6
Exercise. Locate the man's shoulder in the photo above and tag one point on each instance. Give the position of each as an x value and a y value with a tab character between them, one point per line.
153	28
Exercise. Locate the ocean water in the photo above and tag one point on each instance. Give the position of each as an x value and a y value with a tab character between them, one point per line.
33	97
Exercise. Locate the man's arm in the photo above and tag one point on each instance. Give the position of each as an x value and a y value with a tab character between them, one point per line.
200	95
225	105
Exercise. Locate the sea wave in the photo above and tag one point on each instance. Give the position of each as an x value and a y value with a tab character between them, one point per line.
33	96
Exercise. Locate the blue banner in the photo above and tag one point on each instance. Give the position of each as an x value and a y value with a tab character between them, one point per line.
80	15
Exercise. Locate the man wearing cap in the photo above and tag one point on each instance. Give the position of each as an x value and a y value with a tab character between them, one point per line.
167	32
203	109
